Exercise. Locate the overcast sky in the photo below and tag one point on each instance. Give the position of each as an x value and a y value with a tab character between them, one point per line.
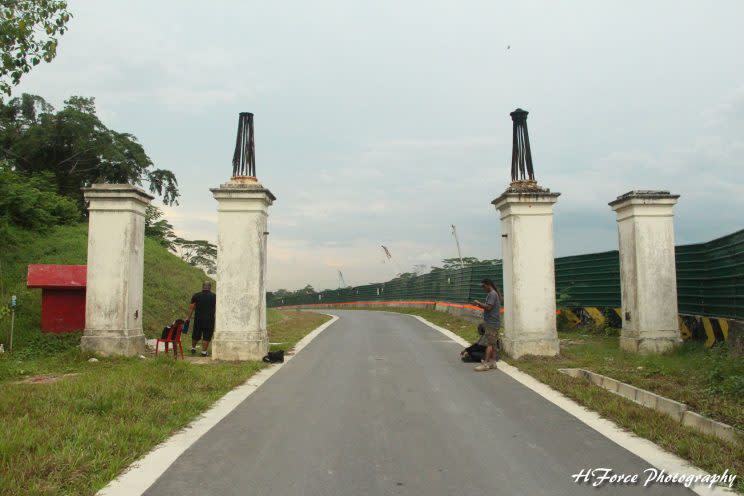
383	122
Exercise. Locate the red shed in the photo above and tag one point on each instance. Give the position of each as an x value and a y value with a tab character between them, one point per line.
62	295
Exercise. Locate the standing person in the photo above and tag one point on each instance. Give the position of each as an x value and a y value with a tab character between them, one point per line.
490	325
203	303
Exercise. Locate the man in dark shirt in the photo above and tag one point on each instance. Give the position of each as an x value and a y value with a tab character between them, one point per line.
490	325
204	304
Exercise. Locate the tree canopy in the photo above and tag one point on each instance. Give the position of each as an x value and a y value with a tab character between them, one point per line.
32	203
28	34
76	148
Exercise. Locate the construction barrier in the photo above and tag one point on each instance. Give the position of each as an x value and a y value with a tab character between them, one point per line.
710	283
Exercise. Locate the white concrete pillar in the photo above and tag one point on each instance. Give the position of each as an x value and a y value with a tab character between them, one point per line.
529	274
113	298
648	279
240	325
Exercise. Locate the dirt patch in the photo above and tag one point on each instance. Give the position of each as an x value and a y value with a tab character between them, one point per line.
199	360
45	378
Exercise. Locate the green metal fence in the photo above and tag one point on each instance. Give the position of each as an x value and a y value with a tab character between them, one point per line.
710	282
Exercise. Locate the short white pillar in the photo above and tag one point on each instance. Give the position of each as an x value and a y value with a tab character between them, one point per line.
648	279
529	274
240	319
113	298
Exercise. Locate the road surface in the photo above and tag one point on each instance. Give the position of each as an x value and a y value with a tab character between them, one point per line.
379	404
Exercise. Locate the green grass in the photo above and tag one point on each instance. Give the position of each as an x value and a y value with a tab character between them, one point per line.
708	381
287	331
73	436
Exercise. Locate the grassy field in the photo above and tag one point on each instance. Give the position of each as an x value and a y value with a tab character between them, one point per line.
709	381
81	423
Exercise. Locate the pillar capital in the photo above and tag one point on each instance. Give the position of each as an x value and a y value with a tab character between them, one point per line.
537	201
117	197
243	188
644	204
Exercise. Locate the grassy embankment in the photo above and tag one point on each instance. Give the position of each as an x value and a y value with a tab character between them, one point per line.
74	435
710	382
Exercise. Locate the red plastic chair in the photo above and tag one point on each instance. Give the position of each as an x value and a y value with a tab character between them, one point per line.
173	336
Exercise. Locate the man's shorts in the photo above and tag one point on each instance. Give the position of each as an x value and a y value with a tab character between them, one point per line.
491	333
204	333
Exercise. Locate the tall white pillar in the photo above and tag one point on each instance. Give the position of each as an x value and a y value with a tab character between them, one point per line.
240	325
529	274
113	298
648	278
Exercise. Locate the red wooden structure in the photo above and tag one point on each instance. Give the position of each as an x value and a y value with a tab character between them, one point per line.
62	296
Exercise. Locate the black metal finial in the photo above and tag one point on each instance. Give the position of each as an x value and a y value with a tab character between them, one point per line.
521	168
244	159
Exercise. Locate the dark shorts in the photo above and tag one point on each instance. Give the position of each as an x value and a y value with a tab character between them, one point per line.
201	332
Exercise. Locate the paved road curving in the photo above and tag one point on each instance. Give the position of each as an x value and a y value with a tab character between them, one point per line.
380	404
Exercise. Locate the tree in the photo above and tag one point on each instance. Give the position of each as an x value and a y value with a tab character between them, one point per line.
76	148
307	290
32	202
28	35
405	275
419	269
159	229
199	253
454	263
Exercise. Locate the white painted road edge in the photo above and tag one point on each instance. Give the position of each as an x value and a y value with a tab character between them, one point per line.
144	472
643	448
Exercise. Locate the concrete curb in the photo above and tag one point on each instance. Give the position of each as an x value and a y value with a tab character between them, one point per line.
678	411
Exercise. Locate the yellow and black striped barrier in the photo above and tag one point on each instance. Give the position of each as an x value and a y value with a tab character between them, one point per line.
711	330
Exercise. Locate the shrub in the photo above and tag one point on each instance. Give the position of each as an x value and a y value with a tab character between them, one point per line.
32	202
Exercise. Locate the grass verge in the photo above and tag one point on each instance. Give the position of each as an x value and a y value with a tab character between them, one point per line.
290	326
73	436
708	381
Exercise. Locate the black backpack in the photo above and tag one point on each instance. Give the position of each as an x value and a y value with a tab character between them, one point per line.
274	357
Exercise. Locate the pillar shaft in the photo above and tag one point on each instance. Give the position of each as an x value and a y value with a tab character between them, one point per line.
240	320
113	302
529	274
647	271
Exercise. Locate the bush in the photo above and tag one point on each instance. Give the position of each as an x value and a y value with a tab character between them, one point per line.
32	202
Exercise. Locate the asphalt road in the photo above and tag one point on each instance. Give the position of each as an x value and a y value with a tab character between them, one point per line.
379	404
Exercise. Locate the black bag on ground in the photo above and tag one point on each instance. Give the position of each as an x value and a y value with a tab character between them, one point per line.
474	353
274	357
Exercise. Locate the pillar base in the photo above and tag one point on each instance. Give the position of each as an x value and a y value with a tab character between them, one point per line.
113	343
652	342
253	346
517	348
